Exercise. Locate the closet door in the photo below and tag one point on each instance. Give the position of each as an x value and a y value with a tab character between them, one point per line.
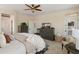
6	25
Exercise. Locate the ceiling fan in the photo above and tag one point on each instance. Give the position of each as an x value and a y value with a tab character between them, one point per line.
33	7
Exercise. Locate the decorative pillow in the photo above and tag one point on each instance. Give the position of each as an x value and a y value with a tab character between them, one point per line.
8	39
72	39
2	40
12	37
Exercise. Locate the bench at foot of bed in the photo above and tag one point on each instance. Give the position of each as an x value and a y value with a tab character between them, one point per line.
43	51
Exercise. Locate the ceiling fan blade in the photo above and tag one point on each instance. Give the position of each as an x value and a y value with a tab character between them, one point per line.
38	9
27	9
37	6
28	6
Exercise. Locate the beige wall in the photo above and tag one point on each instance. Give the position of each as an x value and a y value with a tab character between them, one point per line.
6	12
57	20
22	18
18	18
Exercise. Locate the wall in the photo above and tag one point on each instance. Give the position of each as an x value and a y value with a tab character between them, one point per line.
6	12
22	18
55	18
18	18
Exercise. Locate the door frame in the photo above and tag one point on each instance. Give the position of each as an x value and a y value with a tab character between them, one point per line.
12	17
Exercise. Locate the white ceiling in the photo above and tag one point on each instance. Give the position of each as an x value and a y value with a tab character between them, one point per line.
45	7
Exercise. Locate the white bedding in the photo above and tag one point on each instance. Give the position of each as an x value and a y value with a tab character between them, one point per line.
24	43
15	47
32	42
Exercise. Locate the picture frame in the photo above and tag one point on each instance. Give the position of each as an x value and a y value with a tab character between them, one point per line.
46	25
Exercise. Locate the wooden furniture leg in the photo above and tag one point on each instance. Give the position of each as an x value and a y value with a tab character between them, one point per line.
62	46
68	52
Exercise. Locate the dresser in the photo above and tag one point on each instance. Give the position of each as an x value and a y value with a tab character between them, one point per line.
47	33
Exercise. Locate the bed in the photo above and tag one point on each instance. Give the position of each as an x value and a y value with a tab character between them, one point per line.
33	43
24	43
14	47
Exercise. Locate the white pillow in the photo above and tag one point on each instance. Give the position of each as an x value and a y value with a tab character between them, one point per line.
2	40
20	37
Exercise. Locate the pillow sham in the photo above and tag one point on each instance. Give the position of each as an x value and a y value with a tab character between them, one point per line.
12	37
8	39
20	37
2	40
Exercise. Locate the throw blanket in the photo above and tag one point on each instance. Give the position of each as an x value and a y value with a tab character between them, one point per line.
32	42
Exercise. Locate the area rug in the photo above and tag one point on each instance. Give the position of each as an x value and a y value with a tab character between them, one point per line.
54	47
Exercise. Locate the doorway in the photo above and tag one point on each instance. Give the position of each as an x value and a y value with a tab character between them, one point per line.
7	24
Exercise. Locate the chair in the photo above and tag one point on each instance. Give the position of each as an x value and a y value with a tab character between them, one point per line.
69	39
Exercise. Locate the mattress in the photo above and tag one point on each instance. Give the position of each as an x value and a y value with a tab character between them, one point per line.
14	47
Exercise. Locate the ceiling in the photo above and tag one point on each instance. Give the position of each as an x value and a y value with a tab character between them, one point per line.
45	7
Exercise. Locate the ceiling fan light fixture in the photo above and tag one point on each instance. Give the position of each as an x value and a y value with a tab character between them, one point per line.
33	11
33	7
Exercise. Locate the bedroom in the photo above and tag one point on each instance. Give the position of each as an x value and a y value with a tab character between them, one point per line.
51	16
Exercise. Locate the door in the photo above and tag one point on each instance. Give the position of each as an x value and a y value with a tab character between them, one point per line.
6	25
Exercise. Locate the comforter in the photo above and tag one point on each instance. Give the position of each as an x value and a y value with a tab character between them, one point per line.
33	43
23	43
14	47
